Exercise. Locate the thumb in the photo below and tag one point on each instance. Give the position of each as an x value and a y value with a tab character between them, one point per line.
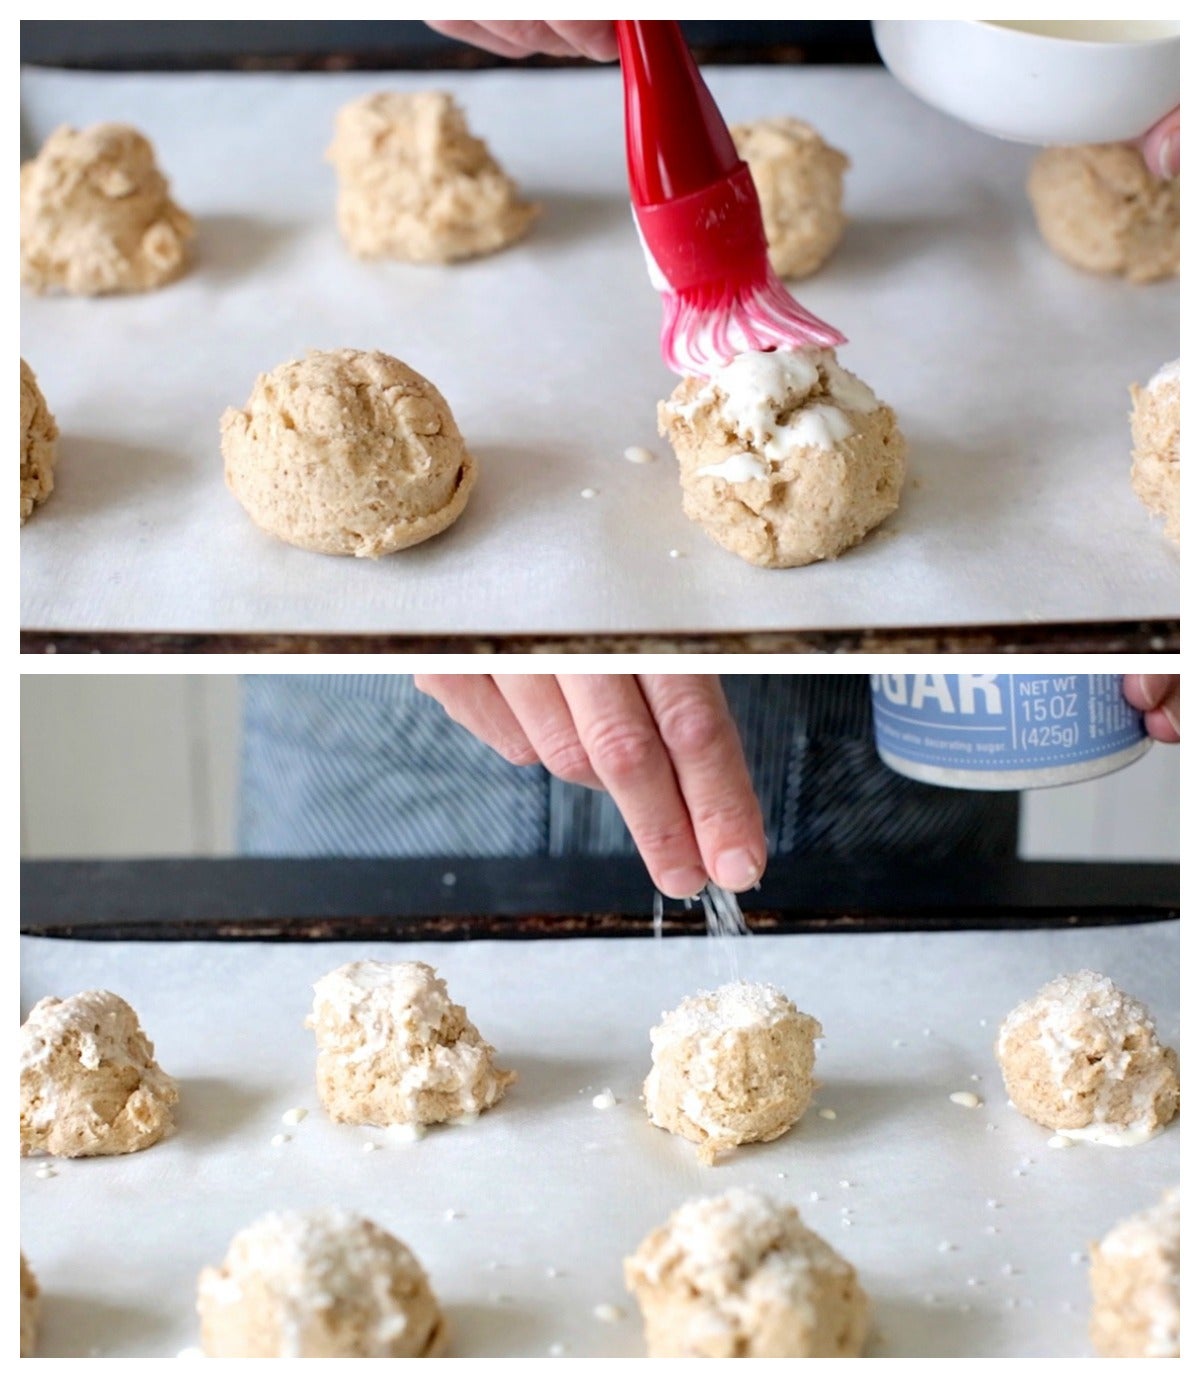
1160	147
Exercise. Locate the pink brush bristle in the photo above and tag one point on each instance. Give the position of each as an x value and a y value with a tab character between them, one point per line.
698	214
708	325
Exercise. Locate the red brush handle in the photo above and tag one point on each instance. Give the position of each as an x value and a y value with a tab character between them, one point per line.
676	142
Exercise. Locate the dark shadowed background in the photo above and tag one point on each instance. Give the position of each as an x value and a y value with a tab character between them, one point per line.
373	43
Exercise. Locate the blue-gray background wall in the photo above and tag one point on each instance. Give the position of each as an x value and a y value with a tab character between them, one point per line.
146	765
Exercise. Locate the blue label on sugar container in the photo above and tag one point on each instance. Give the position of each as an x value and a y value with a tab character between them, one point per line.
1003	722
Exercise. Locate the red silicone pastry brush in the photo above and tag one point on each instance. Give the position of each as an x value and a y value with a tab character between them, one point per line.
698	213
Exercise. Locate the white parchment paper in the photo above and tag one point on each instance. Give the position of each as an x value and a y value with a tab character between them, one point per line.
547	1182
1009	372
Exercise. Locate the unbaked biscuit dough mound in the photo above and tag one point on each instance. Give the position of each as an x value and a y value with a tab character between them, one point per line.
731	1066
39	445
414	184
323	1284
347	452
784	456
29	1310
392	1048
1083	1058
798	177
1155	427
97	215
1101	208
89	1081
741	1277
1135	1285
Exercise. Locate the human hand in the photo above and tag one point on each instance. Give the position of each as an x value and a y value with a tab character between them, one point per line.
594	38
664	746
1158	697
1160	146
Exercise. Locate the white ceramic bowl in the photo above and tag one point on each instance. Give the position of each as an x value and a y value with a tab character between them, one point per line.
1093	86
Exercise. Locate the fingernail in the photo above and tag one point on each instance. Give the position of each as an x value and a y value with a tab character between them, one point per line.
683	882
736	869
1171	713
1168	155
1154	689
